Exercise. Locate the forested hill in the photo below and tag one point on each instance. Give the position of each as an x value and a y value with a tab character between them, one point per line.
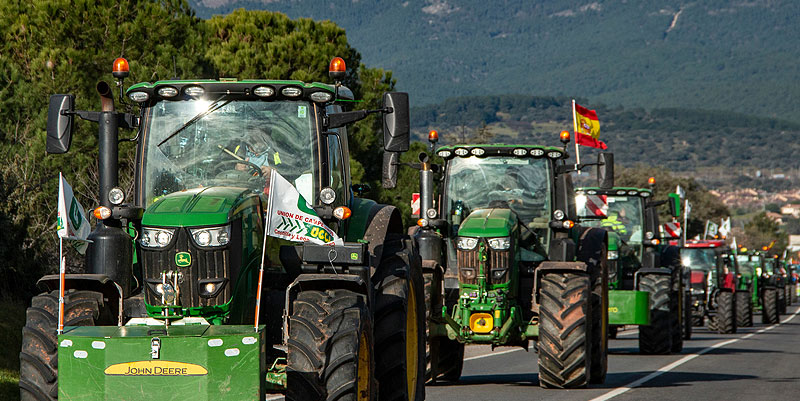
711	54
679	139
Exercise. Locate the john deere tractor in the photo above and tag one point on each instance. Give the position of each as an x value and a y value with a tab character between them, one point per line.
748	287
714	271
775	277
507	264
203	281
646	283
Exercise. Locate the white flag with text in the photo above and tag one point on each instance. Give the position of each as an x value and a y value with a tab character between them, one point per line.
292	218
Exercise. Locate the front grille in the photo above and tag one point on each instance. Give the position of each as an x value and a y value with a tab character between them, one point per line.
206	263
496	260
468	266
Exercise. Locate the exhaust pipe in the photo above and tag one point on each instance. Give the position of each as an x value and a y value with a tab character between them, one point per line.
106	96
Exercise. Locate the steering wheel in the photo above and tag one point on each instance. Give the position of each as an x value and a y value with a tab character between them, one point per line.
222	166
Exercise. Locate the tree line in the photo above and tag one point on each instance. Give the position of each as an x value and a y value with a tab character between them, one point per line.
59	46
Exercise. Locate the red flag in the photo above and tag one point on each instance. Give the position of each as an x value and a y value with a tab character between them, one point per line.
587	128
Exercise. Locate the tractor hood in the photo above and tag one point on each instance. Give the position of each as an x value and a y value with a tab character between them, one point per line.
196	207
488	223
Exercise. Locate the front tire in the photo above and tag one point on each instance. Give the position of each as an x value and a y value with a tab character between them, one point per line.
781	301
445	357
330	347
676	325
38	371
656	338
687	317
725	318
563	342
769	310
399	316
744	309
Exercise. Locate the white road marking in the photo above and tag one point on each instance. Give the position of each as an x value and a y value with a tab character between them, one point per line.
621	390
274	397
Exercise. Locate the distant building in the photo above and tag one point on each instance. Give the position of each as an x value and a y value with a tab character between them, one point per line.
794	243
776	217
792	209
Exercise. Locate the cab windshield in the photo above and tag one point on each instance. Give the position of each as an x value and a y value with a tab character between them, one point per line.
521	184
699	258
624	217
200	143
746	265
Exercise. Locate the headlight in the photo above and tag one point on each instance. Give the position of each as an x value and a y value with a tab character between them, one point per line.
467	243
156	237
612	255
116	196
211	236
500	244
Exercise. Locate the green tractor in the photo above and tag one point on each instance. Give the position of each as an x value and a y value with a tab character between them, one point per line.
207	284
646	279
506	264
748	287
776	277
716	294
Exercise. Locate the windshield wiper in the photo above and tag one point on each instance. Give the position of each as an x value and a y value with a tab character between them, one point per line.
216	105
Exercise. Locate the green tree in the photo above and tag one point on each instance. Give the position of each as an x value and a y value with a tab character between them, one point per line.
61	46
761	231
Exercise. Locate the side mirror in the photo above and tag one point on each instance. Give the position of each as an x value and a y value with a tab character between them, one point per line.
60	123
674	205
390	162
605	170
591	207
396	125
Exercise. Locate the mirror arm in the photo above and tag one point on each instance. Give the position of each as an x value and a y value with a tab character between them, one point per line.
655	203
93	116
568	168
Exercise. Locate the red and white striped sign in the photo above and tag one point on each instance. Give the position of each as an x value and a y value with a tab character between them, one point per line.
415	205
597	205
673	230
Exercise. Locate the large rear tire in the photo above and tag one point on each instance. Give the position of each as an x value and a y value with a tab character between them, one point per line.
38	359
564	324
725	318
744	309
330	347
656	339
769	310
399	316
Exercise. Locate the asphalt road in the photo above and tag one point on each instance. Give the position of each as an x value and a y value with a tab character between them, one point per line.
757	363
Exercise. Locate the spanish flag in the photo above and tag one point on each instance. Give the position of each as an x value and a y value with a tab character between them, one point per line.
587	127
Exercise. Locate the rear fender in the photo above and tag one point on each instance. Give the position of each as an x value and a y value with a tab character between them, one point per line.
381	221
88	282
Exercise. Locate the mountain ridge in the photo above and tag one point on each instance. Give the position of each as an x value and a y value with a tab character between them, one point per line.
725	55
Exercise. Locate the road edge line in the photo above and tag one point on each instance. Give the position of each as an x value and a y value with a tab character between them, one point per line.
664	369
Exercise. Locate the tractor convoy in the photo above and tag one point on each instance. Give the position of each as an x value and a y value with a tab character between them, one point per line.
243	261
